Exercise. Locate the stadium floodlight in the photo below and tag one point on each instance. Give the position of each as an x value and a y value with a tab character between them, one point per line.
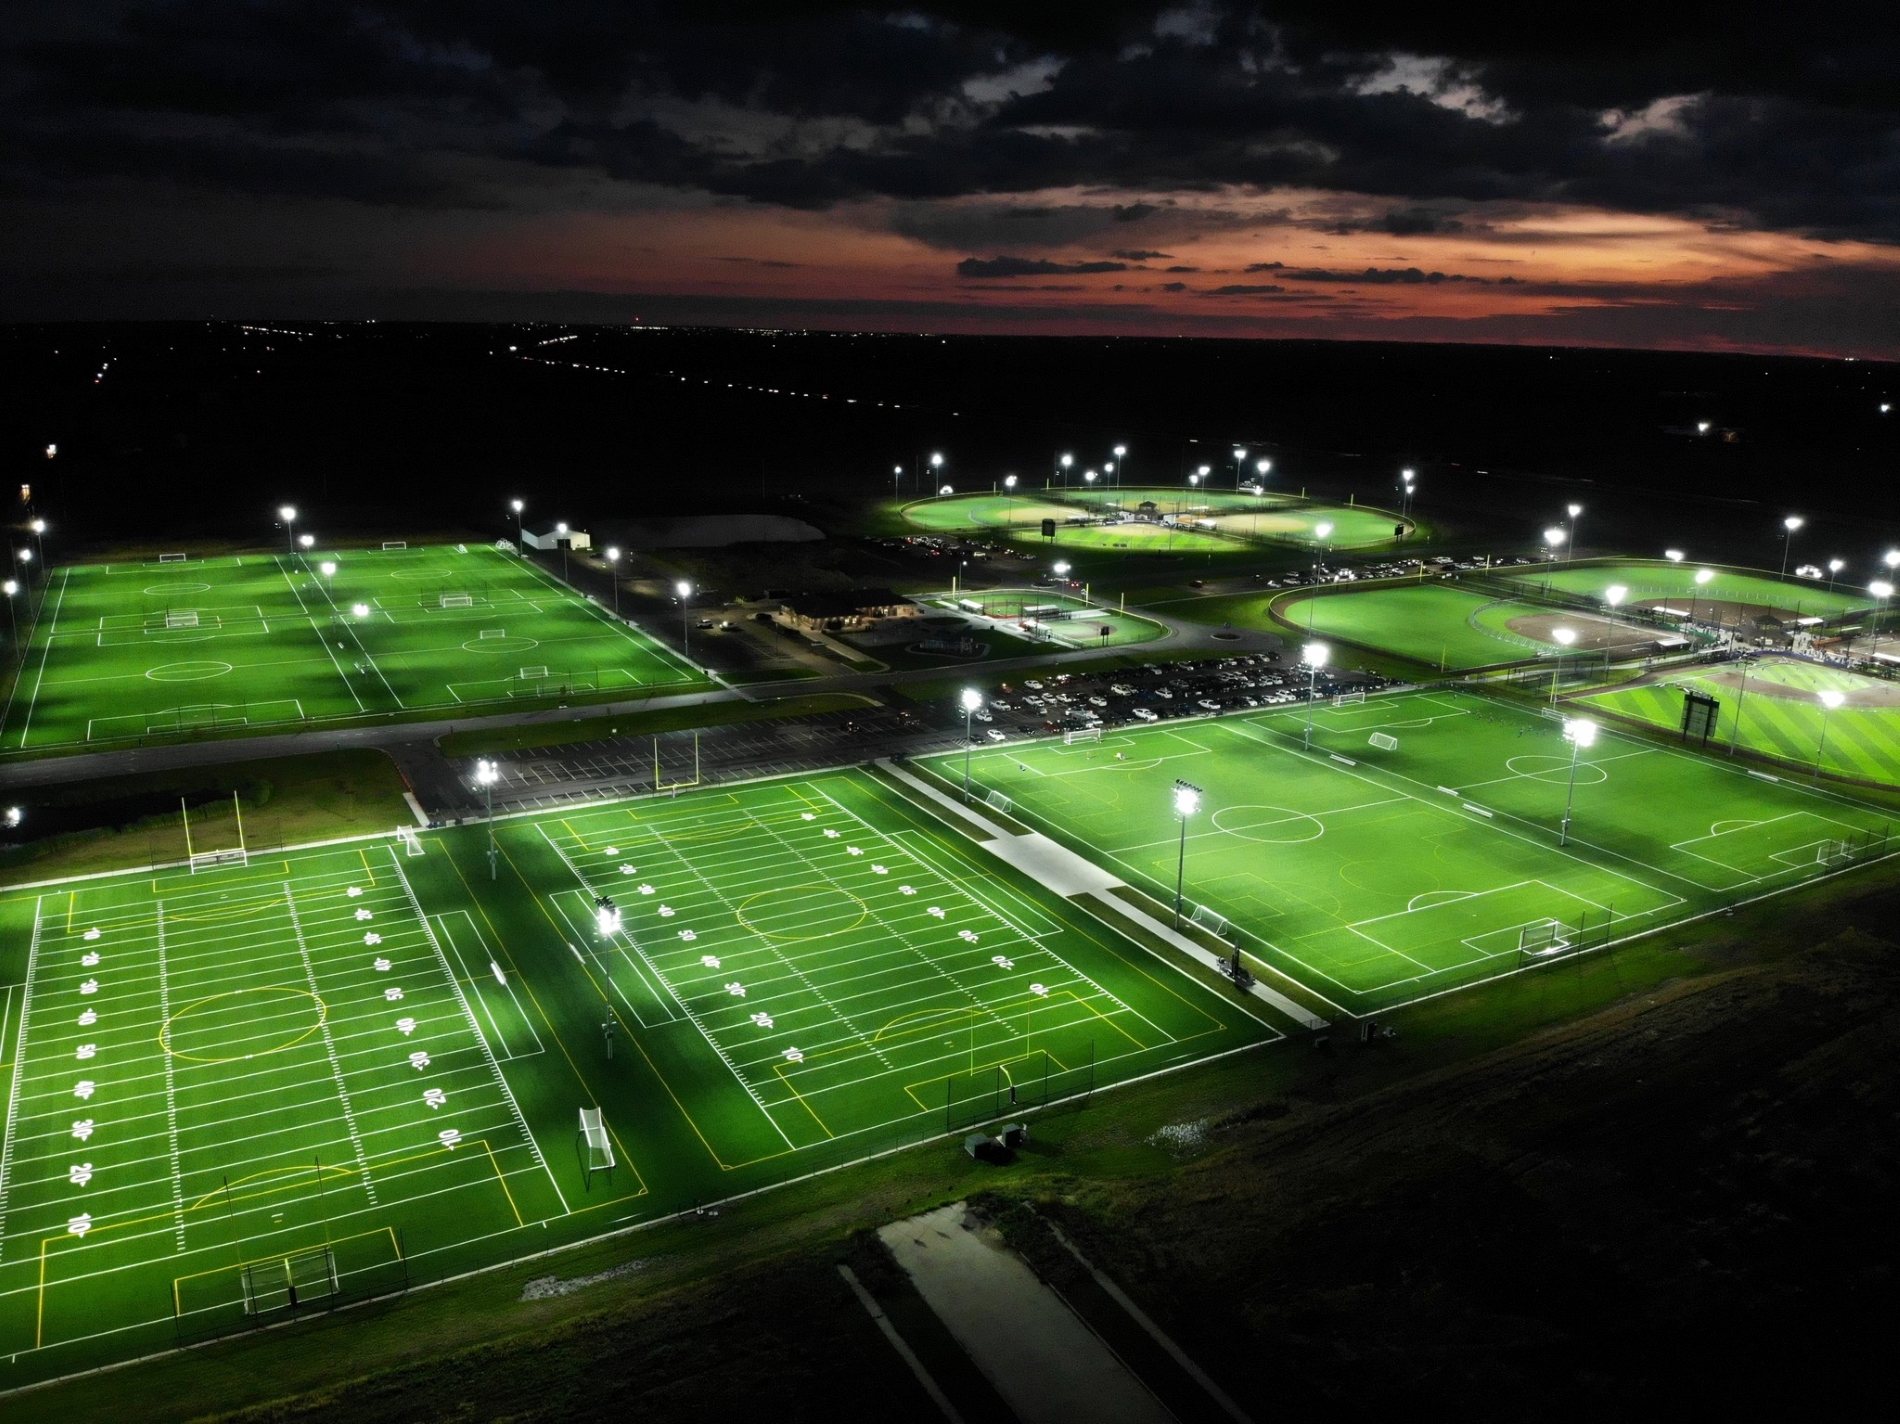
25	556
486	775
613	575
1879	588
288	513
361	610
1009	482
14	816
1831	698
1790	524
1834	567
1615	594
1197	476
1675	556
307	541
1573	510
1564	637
1262	466
1314	656
38	526
946	489
51	451
1064	463
1187	800
971	699
1702	427
685	591
1089	475
521	544
1581	733
1323	530
10	587
1891	558
1554	537
327	568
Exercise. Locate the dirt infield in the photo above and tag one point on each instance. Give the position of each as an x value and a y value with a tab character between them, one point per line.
1593	634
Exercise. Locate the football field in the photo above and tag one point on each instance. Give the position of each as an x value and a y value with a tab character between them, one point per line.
270	1087
126	652
1414	848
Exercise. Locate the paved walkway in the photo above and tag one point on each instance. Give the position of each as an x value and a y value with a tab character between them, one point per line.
1045	1362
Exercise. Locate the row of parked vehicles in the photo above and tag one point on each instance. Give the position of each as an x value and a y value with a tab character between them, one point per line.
1155	692
1391	568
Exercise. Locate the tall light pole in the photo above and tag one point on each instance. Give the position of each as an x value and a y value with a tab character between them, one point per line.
521	542
1702	578
1064	464
486	775
1834	567
11	587
1240	458
613	575
685	591
1581	733
1883	591
1187	800
288	513
1831	698
1322	534
1314	656
1565	637
1009	483
1574	510
972	699
1121	458
38	526
1790	524
897	473
560	537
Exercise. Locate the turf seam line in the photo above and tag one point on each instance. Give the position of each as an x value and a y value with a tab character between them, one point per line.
19	1066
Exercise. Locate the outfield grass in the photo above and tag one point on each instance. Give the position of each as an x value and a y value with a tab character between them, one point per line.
130	652
1657	581
1375	877
359	1061
1780	715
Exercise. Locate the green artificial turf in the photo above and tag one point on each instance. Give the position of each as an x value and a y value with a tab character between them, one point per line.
1650	581
1377	876
349	1068
258	643
1780	714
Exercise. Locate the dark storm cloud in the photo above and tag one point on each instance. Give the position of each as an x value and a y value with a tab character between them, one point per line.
1753	116
1031	267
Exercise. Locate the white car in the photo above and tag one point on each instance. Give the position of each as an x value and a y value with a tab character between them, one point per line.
994	735
1208	704
1147	714
1098	702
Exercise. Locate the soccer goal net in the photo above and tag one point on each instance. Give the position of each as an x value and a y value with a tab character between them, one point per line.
1834	852
494	632
1542	938
395	543
171	558
1340	699
595	1147
531	674
1081	734
1212	921
287	1282
411	842
458	600
996	800
1384	741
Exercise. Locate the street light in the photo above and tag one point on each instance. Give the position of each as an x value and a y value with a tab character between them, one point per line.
486	775
972	699
1831	698
1790	524
1581	733
1314	656
1187	800
521	543
685	591
288	513
1565	637
613	575
560	537
306	541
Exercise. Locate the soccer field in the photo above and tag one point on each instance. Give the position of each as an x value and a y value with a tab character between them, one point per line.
340	1070
1376	875
1779	714
125	652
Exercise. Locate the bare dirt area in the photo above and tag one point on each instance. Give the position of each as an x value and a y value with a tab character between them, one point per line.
1593	634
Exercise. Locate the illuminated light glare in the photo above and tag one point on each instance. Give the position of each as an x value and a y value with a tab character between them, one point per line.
1702	576
1187	800
1580	732
1831	697
1324	529
972	699
327	568
287	513
361	610
1314	655
1793	522
1553	537
1615	594
1879	588
1564	636
683	589
1673	555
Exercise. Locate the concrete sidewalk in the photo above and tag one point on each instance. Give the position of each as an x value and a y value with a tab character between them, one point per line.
1040	1356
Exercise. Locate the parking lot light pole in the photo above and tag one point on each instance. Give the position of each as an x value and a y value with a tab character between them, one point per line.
613	575
1314	656
685	591
972	699
1187	800
486	775
1581	733
1830	699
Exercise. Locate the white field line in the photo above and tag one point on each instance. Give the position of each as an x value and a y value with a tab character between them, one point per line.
474	1029
46	650
171	1088
19	1066
329	1046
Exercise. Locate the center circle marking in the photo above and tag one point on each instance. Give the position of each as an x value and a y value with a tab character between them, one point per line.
209	1025
1269	825
501	645
802	912
162	590
188	672
1553	768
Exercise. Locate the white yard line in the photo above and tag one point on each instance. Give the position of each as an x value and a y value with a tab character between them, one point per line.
46	651
171	1086
329	1046
19	1068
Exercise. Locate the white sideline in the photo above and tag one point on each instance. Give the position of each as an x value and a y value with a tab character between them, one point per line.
1060	869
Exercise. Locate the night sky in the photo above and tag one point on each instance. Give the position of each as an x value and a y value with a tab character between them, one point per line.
1708	176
